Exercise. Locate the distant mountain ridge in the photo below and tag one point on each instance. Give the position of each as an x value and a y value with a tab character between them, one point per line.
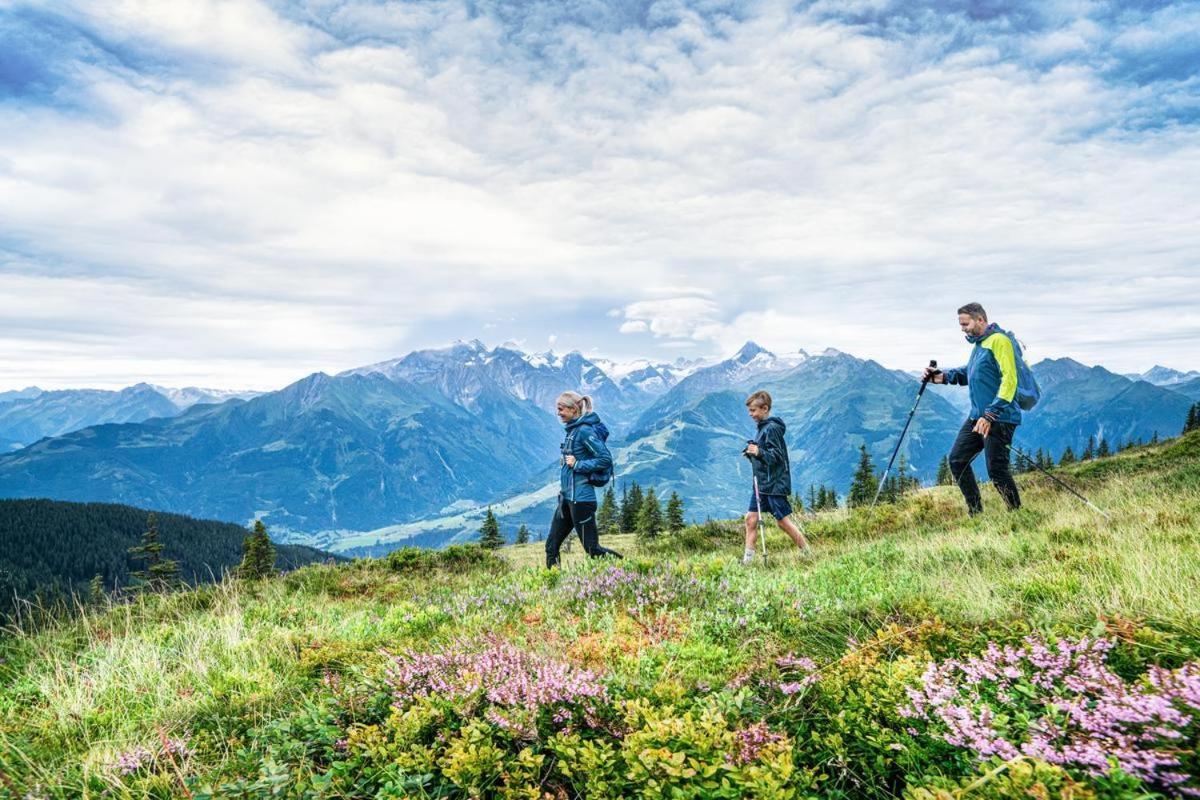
415	448
1081	402
32	414
1165	376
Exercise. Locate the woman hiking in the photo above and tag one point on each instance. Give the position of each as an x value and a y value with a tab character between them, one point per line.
585	463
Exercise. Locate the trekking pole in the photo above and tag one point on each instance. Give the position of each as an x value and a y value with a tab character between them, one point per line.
762	528
921	391
1063	484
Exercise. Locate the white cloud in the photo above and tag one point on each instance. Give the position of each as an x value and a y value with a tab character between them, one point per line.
675	317
792	180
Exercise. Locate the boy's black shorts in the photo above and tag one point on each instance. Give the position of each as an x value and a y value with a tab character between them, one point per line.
774	504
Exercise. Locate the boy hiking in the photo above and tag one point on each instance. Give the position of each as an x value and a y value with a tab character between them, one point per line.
769	459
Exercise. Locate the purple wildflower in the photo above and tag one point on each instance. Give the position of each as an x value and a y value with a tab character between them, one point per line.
509	685
752	740
1085	715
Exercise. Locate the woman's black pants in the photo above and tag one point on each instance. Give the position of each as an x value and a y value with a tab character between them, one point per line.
574	516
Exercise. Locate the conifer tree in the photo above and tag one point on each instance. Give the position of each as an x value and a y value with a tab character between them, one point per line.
96	593
490	537
631	509
650	517
822	500
831	499
1193	419
944	478
862	487
1103	450
1154	438
675	521
523	534
608	517
1089	452
158	573
1068	456
258	554
812	498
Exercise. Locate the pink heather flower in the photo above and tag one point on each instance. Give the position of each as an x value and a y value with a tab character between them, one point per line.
751	741
513	686
133	760
1091	718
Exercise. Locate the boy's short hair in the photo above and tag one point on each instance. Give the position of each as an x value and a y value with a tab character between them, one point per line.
974	310
759	398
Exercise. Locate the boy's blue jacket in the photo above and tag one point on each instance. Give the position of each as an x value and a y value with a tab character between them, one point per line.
991	375
584	440
771	465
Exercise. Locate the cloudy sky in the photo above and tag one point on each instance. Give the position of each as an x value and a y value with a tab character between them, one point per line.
237	193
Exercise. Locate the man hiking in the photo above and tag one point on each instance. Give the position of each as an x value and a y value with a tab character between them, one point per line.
991	377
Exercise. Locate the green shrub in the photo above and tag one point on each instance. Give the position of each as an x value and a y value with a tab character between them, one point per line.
1027	779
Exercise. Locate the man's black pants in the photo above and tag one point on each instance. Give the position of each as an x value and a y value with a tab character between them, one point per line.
579	516
997	444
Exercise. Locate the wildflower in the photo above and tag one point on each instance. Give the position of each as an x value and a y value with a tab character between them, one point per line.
1090	718
133	760
752	740
511	685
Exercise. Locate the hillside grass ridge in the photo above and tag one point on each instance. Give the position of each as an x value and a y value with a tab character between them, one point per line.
784	680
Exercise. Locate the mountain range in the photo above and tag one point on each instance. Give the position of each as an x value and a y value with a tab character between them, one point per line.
414	449
31	414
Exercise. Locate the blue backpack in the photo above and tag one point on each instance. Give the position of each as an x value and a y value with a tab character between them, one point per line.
1028	391
603	476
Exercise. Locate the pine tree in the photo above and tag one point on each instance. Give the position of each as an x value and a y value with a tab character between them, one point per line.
650	517
158	573
258	554
862	487
822	500
631	509
96	592
490	537
1193	418
523	534
831	499
1103	450
1068	456
608	517
889	492
1154	438
1089	452
813	505
675	521
944	477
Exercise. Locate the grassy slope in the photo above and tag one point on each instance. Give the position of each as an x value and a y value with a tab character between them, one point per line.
219	663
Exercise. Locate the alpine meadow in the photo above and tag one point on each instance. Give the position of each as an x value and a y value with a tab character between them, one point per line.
599	399
1045	653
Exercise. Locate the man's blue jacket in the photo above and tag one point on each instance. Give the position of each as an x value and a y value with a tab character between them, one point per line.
991	375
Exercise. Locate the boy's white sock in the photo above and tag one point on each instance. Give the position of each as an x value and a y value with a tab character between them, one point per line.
748	556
